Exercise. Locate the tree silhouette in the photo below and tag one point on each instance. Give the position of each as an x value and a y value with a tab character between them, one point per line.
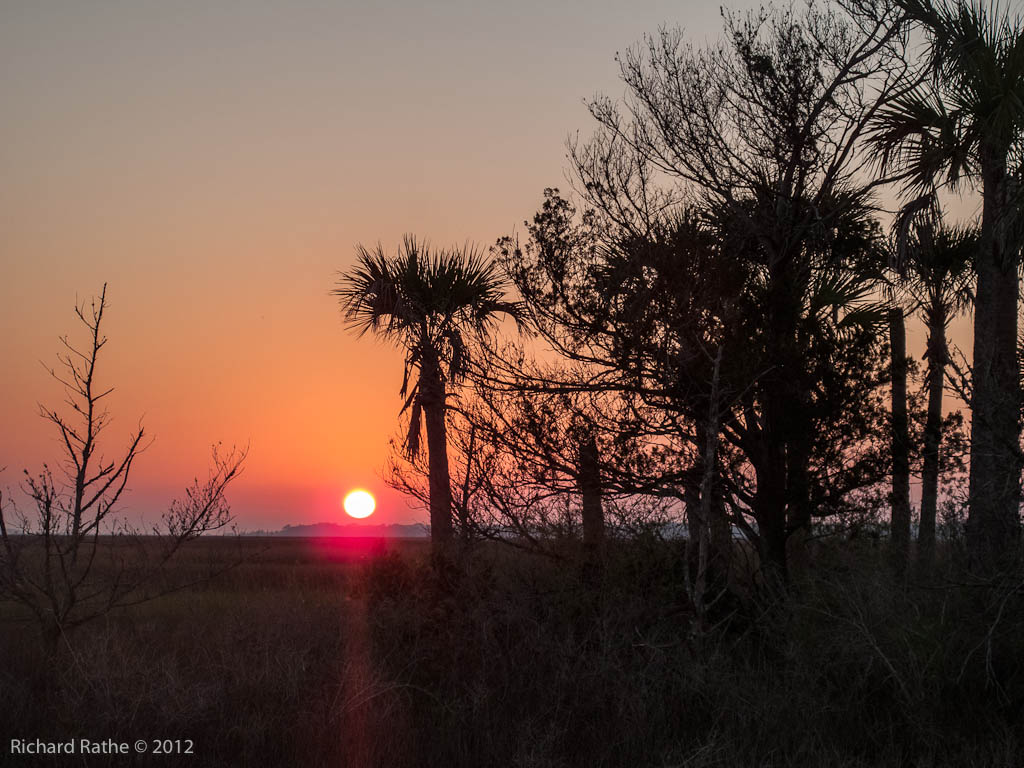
675	323
935	261
427	302
966	125
57	561
759	137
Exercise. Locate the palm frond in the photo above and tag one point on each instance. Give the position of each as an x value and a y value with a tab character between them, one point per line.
412	437
916	136
864	316
916	220
974	102
839	292
934	260
426	300
370	295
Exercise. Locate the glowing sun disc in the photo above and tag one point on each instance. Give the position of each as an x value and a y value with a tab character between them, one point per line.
359	504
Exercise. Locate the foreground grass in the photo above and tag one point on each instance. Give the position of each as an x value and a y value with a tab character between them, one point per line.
320	654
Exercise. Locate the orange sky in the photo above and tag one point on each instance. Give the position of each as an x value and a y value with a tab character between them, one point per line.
216	162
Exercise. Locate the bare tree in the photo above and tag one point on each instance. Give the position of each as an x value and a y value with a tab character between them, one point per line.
57	560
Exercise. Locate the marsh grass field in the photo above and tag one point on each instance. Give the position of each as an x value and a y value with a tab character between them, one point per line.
354	652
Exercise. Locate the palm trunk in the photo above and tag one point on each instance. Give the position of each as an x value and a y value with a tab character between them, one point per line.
433	401
780	407
769	510
993	523
936	318
772	539
900	443
798	512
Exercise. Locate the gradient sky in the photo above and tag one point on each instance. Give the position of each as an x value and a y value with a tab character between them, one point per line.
216	162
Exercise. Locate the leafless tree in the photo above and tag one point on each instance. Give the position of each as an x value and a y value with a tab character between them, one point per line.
72	556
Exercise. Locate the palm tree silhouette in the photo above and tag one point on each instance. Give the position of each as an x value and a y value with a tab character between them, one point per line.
936	276
965	123
427	302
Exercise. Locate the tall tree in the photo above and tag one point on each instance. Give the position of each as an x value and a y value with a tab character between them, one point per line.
900	441
966	126
935	264
760	135
676	321
427	301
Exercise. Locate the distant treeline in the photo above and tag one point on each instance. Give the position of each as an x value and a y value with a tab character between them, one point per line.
392	531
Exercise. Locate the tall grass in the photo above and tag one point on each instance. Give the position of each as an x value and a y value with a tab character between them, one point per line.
307	658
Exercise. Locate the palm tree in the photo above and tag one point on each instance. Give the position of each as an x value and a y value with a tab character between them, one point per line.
964	124
936	274
427	302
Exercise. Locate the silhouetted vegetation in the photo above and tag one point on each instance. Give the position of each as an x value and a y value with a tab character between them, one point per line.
963	125
342	653
52	563
428	302
718	322
670	505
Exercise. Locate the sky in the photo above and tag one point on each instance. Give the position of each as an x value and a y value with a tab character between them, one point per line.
215	163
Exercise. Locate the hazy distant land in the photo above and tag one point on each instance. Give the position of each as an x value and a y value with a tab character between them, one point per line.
350	530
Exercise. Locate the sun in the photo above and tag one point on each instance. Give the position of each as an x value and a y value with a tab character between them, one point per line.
359	504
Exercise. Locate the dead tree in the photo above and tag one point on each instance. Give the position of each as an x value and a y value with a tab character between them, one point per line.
58	560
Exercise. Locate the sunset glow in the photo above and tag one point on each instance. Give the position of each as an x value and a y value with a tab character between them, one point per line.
236	181
359	504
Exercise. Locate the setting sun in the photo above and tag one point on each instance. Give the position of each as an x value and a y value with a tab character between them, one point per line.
359	504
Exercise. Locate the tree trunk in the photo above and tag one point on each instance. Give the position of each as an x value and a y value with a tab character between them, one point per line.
993	522
433	402
589	482
782	407
721	543
691	502
709	438
772	495
900	443
707	524
936	318
769	510
691	499
52	633
772	537
798	510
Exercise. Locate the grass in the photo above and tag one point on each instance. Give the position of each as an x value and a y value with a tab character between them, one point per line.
333	653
